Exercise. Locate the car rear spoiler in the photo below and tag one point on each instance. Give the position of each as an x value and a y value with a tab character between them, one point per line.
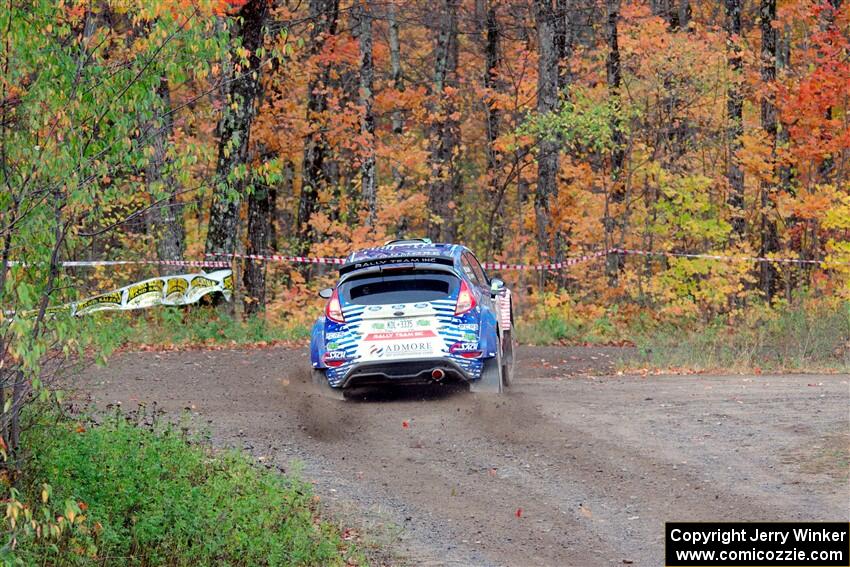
413	261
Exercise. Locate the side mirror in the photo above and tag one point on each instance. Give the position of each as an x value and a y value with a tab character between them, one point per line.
497	287
326	293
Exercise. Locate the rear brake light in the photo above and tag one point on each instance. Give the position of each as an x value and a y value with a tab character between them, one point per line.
465	299
333	310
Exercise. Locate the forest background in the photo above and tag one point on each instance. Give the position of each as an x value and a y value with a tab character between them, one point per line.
531	131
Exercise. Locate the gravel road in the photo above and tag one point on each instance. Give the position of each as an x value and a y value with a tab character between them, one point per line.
574	466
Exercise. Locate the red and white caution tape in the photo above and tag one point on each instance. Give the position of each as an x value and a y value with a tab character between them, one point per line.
545	267
488	265
94	263
723	258
499	266
280	258
552	266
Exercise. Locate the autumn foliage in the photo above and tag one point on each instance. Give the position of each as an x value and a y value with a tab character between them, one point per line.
317	127
644	166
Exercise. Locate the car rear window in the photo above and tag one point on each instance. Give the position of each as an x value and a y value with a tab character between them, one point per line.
408	287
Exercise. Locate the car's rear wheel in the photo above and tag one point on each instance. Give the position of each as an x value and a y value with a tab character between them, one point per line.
320	383
492	380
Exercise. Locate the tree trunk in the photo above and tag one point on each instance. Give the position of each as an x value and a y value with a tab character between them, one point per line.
324	15
685	14
675	12
549	149
783	61
165	218
397	78
492	60
368	176
259	229
827	21
234	129
735	117
614	261
445	185
564	41
769	233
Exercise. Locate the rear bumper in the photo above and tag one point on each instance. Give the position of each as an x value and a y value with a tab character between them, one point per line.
411	371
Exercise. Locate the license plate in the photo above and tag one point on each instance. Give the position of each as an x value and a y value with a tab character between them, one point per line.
400	325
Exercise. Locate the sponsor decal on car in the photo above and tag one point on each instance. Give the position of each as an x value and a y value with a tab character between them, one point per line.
423	322
335	355
333	345
407	349
464	347
402	260
421	305
335	335
467	350
470	337
399	335
375	308
468	326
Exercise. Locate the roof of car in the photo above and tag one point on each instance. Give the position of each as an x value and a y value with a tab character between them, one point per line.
401	249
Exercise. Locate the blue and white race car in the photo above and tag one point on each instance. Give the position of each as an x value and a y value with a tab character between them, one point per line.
413	312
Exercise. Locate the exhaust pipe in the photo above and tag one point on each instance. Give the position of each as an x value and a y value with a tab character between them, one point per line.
438	374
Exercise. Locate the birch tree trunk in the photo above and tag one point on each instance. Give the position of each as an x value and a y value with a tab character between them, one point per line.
397	78
234	129
368	176
614	261
735	118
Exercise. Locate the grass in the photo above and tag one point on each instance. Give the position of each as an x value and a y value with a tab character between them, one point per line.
556	329
806	337
193	325
152	496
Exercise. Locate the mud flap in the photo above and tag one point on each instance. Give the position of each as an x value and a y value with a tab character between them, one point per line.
491	381
323	388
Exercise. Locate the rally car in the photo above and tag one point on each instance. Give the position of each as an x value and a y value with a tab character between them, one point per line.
413	312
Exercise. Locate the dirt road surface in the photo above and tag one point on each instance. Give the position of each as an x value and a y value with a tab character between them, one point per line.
574	466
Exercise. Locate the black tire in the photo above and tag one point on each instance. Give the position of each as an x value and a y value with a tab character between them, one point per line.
491	381
508	346
320	383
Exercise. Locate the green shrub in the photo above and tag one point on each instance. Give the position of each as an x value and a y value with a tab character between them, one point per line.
150	497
